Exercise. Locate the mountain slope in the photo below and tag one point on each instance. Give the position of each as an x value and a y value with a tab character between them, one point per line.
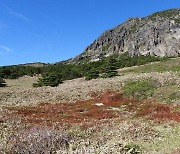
155	35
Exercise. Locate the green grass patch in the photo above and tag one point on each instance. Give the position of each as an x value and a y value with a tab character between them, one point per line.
141	89
171	65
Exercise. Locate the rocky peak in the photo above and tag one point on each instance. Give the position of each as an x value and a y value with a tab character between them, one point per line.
155	35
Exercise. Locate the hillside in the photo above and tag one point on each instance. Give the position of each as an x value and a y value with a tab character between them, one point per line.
126	103
36	64
155	35
135	112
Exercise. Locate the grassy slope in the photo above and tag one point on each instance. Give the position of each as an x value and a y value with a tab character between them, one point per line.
169	92
130	135
171	65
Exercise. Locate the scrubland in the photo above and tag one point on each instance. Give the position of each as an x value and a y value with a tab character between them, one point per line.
137	111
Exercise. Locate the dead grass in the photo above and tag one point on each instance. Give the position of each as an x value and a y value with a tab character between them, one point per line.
77	89
20	83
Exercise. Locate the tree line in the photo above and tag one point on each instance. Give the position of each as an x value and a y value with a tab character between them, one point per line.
54	74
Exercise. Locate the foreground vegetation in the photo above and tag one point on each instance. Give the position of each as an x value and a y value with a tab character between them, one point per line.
120	125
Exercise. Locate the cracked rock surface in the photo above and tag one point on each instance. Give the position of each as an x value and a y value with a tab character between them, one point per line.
155	35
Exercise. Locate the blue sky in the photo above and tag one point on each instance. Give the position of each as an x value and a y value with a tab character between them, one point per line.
54	30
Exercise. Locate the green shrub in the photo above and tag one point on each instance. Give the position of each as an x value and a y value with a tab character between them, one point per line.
108	73
109	68
14	72
48	80
106	67
92	74
132	148
2	82
141	89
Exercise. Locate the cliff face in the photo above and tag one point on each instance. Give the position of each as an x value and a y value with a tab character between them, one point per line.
156	35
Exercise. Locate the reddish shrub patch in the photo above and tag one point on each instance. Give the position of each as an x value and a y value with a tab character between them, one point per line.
160	112
89	110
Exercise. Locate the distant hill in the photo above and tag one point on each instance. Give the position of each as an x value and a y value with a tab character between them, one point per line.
155	35
36	64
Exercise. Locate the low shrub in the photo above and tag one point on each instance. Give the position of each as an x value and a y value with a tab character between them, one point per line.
52	80
141	89
132	148
92	74
35	140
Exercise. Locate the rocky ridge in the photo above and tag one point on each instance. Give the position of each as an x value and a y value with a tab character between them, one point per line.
155	35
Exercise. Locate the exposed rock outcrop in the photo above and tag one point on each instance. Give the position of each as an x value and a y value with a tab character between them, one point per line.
155	35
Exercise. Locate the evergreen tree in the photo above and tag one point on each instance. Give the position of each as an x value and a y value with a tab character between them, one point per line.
51	79
109	69
92	74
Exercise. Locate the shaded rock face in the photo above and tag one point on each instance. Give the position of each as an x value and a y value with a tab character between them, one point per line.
155	35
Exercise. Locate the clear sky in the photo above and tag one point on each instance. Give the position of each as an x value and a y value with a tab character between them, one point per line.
54	30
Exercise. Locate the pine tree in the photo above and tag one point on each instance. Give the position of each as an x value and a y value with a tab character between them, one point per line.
109	70
92	74
51	79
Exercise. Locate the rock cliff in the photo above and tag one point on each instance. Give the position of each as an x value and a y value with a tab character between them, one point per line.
155	35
